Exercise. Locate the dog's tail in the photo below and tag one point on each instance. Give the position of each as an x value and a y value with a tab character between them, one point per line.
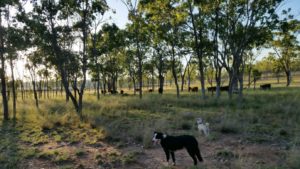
199	155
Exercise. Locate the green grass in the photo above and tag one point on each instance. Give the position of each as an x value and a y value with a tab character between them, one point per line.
262	117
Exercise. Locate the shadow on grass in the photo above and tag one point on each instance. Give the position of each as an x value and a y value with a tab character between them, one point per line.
9	148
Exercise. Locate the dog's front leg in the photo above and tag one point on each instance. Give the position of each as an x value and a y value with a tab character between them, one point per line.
167	154
173	157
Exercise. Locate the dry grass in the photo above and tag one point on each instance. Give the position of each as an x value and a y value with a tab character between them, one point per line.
263	117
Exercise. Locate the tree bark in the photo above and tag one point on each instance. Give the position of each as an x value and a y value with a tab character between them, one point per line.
288	78
218	82
35	94
160	72
13	89
2	73
174	71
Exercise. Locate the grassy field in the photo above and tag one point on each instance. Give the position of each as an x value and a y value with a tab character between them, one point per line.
261	131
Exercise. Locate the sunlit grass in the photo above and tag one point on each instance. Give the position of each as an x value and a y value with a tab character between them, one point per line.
261	117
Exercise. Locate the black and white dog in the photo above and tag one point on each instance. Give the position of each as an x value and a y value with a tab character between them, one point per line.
172	143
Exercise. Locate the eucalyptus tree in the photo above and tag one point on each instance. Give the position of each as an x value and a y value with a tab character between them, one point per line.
184	69
111	52
157	45
11	40
136	29
17	41
95	64
244	24
198	26
95	51
170	17
50	20
33	61
149	69
285	43
131	67
86	11
213	10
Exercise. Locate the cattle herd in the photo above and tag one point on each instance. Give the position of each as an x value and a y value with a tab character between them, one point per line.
190	89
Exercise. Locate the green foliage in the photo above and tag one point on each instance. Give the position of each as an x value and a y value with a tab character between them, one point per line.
256	74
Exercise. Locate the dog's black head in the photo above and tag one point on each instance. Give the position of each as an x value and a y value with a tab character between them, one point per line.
157	136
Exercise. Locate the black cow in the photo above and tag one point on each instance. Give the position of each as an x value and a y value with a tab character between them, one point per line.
265	86
224	88
195	89
103	91
212	88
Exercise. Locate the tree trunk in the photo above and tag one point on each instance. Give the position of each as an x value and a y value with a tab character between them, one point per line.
3	91
160	75
218	82
2	74
249	78
174	71
182	82
13	89
232	82
152	77
288	77
98	86
75	89
140	74
35	94
241	82
198	51
134	85
40	89
189	78
22	90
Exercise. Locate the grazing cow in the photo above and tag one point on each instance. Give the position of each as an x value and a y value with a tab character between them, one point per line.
113	91
195	89
122	91
265	86
103	91
150	90
160	90
212	88
224	88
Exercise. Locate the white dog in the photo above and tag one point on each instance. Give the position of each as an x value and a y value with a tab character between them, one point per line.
202	127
